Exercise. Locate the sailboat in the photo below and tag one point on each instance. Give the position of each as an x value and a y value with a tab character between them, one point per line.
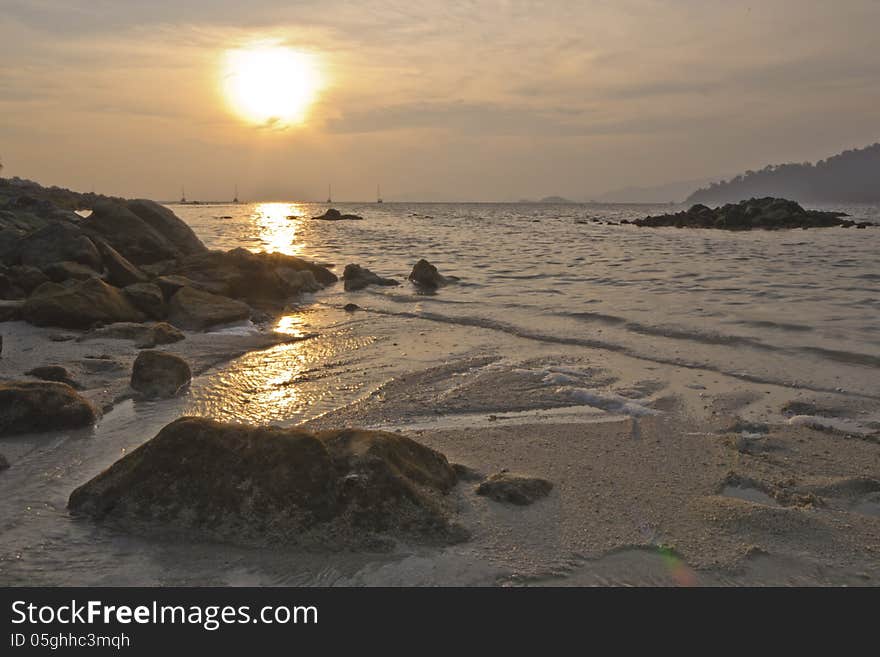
329	195
182	195
235	198
378	194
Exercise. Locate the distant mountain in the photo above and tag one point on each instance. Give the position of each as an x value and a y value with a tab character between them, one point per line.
850	177
675	192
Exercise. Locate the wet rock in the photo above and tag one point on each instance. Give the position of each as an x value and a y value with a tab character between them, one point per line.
357	278
167	224
426	275
148	298
128	234
248	484
120	272
351	307
159	375
335	215
58	272
197	310
254	277
764	213
511	488
55	373
57	242
32	406
82	305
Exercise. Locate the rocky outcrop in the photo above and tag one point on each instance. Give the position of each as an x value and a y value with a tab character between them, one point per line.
81	305
510	488
168	225
57	242
34	406
425	275
128	234
764	213
159	375
197	310
247	484
335	215
357	278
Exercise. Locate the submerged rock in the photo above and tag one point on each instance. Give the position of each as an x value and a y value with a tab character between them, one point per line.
55	373
32	406
766	213
351	307
335	215
357	278
426	275
197	310
247	484
81	305
159	375
513	488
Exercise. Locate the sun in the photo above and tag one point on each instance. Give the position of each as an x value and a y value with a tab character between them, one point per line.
271	85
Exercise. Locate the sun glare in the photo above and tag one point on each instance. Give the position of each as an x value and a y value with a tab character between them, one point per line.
271	85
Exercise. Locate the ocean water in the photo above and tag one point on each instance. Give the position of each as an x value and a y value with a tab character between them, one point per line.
795	308
793	311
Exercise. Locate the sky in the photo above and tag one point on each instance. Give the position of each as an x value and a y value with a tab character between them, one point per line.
471	100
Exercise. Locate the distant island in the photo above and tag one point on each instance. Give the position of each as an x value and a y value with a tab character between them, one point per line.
850	177
558	200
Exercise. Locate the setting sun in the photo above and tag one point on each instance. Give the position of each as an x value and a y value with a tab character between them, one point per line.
271	85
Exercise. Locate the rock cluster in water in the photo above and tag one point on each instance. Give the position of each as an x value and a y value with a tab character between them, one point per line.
335	215
247	484
356	277
757	213
129	261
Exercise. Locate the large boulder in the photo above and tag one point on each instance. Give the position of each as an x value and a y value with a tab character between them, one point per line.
67	270
357	278
56	242
80	305
197	310
167	224
32	406
255	277
247	484
130	235
159	375
26	278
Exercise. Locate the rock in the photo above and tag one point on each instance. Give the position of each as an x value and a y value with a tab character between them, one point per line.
766	213
246	484
10	310
426	275
120	272
128	234
57	242
512	488
167	224
59	272
254	277
351	307
159	375
8	289
143	335
169	285
197	310
27	278
335	215
55	373
148	298
32	406
357	278
82	305
4	464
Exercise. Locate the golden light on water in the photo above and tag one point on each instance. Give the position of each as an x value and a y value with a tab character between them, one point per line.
271	85
277	225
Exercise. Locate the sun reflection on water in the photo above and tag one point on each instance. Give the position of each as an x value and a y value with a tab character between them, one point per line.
278	224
